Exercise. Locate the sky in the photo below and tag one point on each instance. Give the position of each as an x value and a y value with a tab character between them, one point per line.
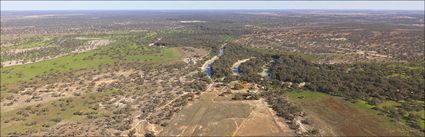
188	5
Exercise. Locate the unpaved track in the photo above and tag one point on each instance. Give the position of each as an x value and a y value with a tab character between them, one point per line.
210	61
237	64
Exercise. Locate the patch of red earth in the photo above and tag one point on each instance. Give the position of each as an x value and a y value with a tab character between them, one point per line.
351	121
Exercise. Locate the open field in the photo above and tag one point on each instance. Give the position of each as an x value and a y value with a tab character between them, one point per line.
213	115
32	42
341	118
80	61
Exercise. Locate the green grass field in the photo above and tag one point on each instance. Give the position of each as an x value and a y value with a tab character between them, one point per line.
88	59
17	73
14	74
32	42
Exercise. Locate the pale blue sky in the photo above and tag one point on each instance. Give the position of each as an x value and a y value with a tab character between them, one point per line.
149	5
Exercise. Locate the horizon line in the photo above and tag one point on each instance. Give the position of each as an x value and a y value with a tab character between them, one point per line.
215	9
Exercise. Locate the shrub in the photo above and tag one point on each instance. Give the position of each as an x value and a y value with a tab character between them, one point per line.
57	120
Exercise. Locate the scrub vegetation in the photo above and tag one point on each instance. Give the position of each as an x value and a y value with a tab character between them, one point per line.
220	73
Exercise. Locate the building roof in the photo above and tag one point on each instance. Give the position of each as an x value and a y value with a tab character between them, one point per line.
244	85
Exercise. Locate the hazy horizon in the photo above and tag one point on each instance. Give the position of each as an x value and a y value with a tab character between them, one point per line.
221	10
210	5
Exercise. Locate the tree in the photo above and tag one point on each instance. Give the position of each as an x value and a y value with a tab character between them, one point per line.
238	96
237	87
149	135
131	133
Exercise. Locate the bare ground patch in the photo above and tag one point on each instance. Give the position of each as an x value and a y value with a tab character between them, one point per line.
209	116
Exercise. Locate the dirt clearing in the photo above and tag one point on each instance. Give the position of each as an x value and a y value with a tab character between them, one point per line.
210	117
